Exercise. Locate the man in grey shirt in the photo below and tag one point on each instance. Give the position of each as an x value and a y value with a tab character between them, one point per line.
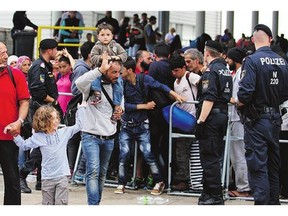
98	131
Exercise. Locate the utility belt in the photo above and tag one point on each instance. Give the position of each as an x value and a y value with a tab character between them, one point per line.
251	114
218	110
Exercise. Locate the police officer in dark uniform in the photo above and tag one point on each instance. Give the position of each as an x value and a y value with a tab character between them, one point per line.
214	93
43	90
262	89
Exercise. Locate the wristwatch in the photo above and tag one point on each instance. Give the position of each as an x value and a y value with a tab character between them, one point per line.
199	122
22	121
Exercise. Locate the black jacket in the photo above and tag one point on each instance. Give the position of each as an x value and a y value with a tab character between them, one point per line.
20	21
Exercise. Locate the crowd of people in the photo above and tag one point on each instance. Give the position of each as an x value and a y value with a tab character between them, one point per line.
121	83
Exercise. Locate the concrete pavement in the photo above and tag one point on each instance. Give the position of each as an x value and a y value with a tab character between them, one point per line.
77	196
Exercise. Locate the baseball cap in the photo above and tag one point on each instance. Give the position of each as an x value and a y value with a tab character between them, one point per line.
264	28
152	18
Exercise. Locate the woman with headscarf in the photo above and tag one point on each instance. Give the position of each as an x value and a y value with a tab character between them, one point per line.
23	64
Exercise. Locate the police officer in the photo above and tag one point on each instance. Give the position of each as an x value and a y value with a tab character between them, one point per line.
262	89
43	90
214	93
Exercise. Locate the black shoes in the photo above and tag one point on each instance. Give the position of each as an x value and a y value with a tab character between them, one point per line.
38	185
24	187
206	199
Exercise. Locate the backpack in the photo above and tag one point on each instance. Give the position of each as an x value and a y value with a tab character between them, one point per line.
70	115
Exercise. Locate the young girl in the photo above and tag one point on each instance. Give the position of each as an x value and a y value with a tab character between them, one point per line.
53	146
64	82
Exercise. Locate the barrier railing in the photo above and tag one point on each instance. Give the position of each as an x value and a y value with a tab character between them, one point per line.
39	35
226	158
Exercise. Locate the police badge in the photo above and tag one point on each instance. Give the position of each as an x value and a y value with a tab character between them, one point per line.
42	78
205	84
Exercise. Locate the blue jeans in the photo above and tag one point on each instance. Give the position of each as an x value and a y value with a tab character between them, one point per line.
97	153
117	89
128	136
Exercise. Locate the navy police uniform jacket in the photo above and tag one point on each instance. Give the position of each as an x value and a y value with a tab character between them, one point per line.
216	84
41	81
264	79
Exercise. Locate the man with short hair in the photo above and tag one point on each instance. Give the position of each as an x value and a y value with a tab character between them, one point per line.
194	60
261	91
13	110
160	70
186	85
135	123
98	132
150	34
215	91
143	60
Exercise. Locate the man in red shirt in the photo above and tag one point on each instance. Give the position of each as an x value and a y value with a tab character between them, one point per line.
13	110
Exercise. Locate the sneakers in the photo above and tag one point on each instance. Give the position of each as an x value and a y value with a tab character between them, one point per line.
120	189
149	183
96	98
158	188
211	200
79	178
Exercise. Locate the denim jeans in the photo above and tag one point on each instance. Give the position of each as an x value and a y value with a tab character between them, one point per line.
97	153
128	136
117	89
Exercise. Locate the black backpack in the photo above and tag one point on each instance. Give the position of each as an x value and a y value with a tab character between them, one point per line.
70	115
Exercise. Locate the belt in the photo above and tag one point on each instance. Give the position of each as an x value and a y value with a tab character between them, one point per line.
218	110
131	124
269	110
105	137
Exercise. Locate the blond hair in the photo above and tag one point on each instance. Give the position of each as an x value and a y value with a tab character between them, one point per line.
42	119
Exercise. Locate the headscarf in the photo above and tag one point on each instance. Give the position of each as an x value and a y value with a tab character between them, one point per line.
20	61
11	59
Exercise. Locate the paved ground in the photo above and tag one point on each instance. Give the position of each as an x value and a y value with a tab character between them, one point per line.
129	204
77	196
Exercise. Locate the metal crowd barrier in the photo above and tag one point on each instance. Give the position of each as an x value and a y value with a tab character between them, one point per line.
171	137
226	159
109	183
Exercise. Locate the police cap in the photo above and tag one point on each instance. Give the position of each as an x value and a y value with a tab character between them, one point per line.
48	44
214	45
152	18
264	28
236	54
